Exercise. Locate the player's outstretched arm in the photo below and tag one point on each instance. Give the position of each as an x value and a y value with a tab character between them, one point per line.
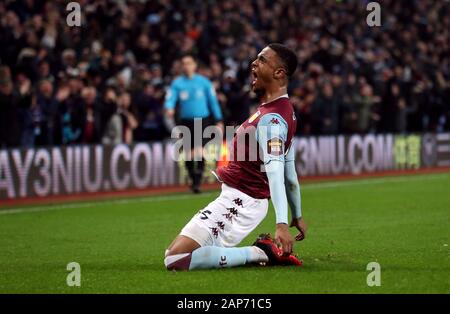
271	135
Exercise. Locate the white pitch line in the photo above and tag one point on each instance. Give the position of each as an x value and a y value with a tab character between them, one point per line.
150	199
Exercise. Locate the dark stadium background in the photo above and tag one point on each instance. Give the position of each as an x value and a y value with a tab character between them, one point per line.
352	78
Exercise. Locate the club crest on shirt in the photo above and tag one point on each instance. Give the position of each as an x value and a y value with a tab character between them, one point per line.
254	116
275	146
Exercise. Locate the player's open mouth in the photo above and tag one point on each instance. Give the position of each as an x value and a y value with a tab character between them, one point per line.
255	77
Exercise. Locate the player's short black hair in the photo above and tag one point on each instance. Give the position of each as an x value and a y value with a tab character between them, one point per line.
287	56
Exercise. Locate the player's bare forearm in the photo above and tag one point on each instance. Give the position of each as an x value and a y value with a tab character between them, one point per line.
294	199
284	238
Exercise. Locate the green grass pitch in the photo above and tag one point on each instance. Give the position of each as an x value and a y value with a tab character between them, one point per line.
402	223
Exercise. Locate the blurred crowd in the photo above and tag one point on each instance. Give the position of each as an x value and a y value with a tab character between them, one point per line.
104	82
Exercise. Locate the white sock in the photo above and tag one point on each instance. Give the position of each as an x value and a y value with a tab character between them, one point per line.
256	255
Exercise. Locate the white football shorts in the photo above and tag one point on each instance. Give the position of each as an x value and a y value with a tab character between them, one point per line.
227	220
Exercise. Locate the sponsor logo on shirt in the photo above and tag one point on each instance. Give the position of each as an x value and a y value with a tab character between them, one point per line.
275	146
254	116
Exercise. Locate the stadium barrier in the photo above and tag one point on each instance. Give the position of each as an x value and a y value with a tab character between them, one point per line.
51	171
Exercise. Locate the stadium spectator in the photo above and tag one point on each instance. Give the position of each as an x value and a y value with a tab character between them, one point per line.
111	119
129	122
363	109
44	110
9	110
328	106
67	107
149	113
90	115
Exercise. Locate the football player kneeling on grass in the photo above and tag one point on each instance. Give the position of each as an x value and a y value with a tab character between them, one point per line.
210	239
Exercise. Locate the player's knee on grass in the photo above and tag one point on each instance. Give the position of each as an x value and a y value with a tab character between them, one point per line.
177	258
178	255
178	261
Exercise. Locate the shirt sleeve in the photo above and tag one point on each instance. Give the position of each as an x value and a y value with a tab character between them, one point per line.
212	101
171	96
271	134
275	178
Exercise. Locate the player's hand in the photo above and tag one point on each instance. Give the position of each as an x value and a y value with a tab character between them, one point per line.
301	226
284	238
